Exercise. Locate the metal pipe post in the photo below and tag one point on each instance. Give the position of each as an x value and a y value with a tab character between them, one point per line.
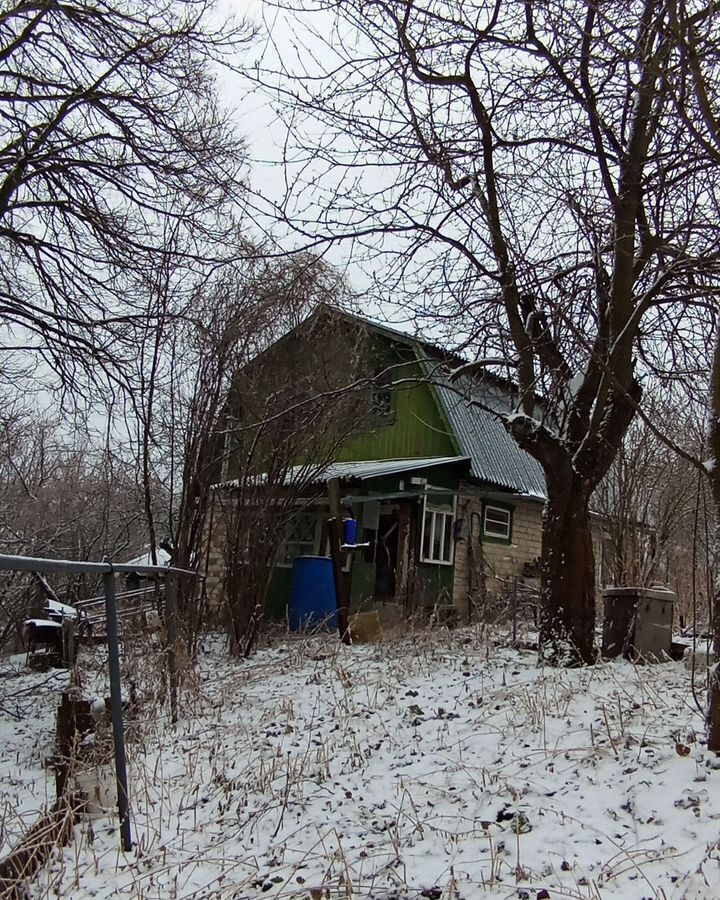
116	708
170	624
342	601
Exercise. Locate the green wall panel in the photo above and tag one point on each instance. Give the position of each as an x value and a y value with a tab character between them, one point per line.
279	594
416	427
433	585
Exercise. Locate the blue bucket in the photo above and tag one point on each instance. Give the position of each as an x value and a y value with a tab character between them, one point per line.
312	595
350	531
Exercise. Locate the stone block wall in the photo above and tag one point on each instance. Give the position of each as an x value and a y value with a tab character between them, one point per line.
213	556
477	557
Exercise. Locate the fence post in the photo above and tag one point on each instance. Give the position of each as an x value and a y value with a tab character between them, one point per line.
116	709
170	625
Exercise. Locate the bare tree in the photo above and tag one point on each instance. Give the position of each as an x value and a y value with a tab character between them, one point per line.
694	86
62	496
187	417
524	179
293	408
110	137
649	498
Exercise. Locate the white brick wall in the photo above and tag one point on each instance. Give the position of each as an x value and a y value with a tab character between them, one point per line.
499	561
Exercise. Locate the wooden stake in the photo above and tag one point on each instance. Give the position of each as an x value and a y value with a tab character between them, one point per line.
171	626
335	535
116	708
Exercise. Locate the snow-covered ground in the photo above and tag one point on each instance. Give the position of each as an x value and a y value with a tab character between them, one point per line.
437	766
28	701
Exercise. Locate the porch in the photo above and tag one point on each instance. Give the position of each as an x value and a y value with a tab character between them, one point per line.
406	533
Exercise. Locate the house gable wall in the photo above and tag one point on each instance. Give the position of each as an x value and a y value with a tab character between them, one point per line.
415	427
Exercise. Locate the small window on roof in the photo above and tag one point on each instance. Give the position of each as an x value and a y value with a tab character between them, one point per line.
497	523
381	402
437	543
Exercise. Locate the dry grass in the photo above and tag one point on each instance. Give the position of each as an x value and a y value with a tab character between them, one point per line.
315	770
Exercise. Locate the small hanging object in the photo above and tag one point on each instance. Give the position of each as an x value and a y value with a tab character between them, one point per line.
349	542
349	531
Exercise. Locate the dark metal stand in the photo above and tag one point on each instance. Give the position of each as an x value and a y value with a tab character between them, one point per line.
117	713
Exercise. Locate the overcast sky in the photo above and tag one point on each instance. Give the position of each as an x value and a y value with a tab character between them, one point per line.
256	120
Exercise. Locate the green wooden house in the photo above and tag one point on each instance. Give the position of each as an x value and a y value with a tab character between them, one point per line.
448	505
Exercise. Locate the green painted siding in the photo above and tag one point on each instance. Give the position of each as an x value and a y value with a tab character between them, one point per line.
415	428
362	588
433	585
279	594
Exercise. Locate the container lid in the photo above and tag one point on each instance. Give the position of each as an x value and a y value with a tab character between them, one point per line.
653	593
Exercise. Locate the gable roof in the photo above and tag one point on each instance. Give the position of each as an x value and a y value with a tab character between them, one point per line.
495	456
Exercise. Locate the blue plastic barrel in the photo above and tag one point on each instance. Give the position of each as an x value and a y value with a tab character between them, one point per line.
312	595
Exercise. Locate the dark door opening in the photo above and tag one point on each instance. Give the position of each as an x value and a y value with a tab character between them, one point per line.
386	556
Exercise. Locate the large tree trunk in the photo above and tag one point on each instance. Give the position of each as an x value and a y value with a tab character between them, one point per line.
573	468
568	577
713	710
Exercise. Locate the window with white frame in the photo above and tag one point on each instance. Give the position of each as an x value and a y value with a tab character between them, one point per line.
437	531
497	523
302	538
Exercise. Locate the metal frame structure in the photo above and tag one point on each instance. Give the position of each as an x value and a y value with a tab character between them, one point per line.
108	571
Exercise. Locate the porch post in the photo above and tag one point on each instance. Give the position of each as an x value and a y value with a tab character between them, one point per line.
335	534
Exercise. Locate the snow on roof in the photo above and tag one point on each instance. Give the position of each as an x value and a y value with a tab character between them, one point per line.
163	559
41	623
61	609
359	469
375	468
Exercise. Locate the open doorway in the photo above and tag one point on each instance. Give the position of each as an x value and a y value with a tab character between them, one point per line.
386	554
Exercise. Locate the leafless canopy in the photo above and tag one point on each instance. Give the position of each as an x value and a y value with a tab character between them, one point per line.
542	181
110	141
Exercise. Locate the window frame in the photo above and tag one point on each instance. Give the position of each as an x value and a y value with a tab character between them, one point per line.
435	510
493	537
285	563
382	396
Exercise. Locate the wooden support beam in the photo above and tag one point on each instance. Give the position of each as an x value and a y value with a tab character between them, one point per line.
335	535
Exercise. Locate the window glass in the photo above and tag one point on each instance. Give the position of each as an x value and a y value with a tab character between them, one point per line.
381	402
427	535
437	544
497	522
447	539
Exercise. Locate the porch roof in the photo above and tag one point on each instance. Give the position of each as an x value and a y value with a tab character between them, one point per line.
377	468
354	470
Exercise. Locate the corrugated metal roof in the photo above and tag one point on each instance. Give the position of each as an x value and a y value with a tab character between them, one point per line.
355	469
375	468
495	456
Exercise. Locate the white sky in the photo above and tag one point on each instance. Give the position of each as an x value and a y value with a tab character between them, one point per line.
257	122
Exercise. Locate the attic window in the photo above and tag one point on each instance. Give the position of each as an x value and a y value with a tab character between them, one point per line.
381	403
497	523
